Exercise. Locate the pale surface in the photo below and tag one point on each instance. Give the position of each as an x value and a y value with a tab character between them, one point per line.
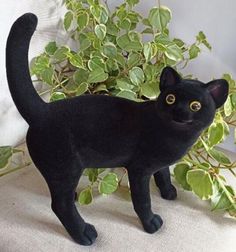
28	224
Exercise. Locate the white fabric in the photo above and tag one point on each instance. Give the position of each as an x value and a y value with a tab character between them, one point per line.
27	223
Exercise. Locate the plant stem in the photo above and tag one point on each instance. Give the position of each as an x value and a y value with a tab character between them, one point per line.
125	172
15	169
228	195
234	174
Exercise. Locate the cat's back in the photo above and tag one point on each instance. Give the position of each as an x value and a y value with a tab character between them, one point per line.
94	105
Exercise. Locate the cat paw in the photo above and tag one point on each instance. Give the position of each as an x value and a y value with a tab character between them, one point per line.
153	224
88	236
169	193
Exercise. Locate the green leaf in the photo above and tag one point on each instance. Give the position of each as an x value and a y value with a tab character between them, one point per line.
68	19
125	24
127	44
97	76
233	101
229	79
204	166
39	64
92	174
215	133
220	201
159	18
5	155
127	94
97	43
228	107
201	183
100	31
76	60
103	18
47	75
121	60
57	96
148	31
121	12
132	3
226	129
109	50
80	76
180	172
96	63
95	11
180	43
173	52
82	88
136	76
108	184
100	13
100	87
50	48
61	54
112	29
111	65
101	170
219	156
84	41
85	196
82	20
194	51
201	38
150	90
124	84
147	51
151	72
134	59
163	39
146	22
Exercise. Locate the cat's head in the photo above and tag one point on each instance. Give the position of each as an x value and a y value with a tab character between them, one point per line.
189	104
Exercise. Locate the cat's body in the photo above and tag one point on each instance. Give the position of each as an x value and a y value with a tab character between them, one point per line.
127	129
66	136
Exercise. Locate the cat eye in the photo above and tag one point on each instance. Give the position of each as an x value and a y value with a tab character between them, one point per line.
195	106
170	99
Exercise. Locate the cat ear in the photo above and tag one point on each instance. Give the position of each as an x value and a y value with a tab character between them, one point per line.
168	78
219	91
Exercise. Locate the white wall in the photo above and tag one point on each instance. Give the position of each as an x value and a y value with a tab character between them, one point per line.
12	126
216	18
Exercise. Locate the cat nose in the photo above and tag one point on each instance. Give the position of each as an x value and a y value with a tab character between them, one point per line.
182	116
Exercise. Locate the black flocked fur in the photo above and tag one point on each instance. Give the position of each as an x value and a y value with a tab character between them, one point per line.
68	135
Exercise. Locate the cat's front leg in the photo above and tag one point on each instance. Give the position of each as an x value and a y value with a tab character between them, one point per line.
163	182
139	187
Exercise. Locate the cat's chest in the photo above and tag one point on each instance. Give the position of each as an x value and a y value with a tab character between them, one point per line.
163	149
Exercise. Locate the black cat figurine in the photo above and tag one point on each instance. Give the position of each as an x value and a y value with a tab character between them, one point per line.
68	135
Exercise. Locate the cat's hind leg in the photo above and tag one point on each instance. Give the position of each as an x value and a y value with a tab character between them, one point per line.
58	161
63	196
163	182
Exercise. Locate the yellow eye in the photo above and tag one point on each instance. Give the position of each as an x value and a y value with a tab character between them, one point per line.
170	99
195	106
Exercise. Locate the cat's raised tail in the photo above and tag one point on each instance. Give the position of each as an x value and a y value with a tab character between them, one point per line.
26	99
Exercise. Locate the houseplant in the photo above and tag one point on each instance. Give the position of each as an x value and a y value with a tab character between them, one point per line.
111	57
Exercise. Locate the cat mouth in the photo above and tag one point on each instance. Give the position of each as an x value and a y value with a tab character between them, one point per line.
182	122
